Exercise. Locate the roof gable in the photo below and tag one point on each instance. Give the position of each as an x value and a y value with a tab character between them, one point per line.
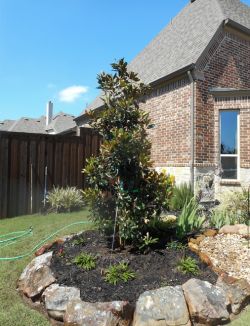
182	42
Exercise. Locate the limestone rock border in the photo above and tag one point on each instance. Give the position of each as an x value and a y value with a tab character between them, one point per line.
195	302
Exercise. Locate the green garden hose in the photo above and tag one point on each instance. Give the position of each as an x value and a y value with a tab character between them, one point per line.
13	237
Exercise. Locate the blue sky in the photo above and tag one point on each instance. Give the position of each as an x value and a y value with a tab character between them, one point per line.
53	49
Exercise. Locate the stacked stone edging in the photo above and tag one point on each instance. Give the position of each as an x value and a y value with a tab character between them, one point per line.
195	302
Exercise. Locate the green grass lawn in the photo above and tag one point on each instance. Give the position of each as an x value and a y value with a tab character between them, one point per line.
13	311
243	319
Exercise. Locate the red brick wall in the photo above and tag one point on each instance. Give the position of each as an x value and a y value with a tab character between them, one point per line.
228	67
169	110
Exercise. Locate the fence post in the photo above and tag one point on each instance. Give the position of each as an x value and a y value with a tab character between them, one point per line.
31	189
45	186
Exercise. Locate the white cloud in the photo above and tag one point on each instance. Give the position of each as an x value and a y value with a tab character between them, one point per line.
72	93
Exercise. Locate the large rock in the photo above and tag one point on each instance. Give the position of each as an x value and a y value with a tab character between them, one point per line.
116	313
194	247
161	307
241	229
238	293
36	276
207	303
210	233
57	297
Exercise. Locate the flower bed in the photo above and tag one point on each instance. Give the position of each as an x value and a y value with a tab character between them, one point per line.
152	270
158	293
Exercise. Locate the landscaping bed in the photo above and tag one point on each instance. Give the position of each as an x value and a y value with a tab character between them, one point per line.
77	296
154	269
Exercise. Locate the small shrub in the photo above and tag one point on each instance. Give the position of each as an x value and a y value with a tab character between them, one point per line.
189	221
165	283
119	273
85	261
176	245
221	218
188	265
78	241
65	199
147	241
232	209
170	184
182	194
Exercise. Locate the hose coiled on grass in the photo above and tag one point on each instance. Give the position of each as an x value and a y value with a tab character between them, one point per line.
13	237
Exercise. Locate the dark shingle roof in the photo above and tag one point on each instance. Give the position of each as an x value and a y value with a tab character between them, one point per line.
6	124
184	39
29	125
60	122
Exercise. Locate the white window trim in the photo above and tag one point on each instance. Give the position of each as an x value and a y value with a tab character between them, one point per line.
238	143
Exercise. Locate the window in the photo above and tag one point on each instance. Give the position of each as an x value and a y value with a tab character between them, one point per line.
229	144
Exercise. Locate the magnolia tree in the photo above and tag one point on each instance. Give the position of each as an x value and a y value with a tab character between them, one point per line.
124	192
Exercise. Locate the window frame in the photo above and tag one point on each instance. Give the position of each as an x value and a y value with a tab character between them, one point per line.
238	143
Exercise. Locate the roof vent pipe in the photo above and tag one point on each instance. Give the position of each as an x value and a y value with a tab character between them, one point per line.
49	113
192	1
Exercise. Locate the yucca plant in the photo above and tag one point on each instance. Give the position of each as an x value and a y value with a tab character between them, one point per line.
221	218
189	221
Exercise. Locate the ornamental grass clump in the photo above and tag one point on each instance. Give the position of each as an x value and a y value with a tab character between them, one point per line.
65	199
181	194
124	192
233	209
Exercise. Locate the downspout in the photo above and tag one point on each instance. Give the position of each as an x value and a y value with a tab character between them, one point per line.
191	79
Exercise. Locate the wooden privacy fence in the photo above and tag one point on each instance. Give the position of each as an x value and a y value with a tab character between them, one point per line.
31	164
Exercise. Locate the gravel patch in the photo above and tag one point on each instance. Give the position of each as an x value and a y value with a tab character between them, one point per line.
230	253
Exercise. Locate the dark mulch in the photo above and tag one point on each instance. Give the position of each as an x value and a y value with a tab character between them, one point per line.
153	270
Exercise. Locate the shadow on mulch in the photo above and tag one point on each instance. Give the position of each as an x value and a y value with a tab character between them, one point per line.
153	270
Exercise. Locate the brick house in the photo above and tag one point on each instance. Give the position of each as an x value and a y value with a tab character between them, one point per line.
199	70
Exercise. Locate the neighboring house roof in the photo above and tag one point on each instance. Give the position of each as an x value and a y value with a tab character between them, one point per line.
6	124
181	43
60	123
29	125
